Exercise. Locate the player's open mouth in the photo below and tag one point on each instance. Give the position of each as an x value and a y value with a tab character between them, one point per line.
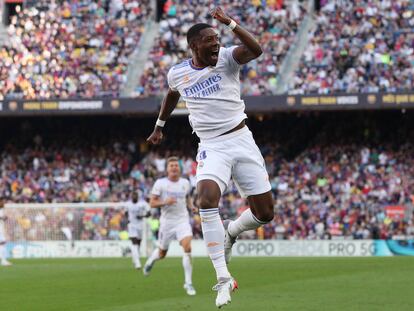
214	55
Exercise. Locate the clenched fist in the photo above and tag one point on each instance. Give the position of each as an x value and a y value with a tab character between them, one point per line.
218	14
156	136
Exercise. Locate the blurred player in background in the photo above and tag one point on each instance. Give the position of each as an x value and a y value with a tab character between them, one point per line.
137	211
172	195
209	84
3	260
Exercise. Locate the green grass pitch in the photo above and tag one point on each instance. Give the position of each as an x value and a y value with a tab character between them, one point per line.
280	284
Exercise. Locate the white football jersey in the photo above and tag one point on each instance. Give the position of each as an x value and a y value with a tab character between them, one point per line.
2	226
165	188
135	210
212	94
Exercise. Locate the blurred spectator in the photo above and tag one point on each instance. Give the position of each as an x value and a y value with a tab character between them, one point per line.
359	46
66	49
274	25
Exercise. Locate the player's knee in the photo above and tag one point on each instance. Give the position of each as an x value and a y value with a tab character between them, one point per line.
135	241
206	202
187	247
162	253
266	214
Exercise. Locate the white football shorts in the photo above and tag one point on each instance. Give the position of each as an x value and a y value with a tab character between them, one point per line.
135	231
236	156
168	233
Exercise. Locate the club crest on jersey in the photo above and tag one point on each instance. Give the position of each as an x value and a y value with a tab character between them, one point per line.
202	155
186	79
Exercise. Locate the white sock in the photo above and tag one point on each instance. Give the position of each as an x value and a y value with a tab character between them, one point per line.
154	257
134	254
246	221
213	232
138	255
188	268
3	252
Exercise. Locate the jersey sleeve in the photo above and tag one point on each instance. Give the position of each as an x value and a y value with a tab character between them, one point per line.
156	189
171	81
229	59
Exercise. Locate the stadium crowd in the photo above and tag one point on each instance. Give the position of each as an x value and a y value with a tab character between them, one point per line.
331	176
66	49
274	24
359	46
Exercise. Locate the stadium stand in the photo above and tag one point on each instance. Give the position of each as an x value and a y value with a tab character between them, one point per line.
355	47
333	175
70	49
274	24
359	46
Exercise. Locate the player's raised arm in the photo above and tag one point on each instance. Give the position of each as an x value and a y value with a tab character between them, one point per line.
250	48
168	105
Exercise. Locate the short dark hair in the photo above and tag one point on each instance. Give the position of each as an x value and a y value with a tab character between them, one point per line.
194	31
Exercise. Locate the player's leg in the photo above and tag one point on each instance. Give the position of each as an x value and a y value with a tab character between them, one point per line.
251	178
187	265
156	255
3	260
165	237
184	234
135	237
213	232
135	252
2	252
209	194
259	213
213	175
